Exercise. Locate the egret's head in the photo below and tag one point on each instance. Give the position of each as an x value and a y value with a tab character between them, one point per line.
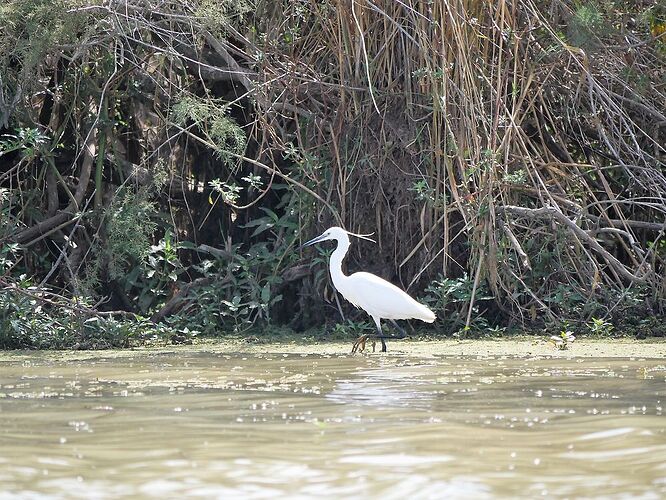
336	233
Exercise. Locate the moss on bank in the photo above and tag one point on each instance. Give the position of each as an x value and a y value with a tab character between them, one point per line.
523	346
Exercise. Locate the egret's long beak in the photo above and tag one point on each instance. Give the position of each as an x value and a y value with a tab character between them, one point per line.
312	241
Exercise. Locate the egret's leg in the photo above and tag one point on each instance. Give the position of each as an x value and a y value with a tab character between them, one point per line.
380	335
383	343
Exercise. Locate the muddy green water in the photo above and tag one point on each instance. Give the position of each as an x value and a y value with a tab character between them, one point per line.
200	423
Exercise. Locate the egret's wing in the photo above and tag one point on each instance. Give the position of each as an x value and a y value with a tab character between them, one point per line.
380	298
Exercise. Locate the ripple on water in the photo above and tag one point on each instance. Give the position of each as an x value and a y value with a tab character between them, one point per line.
212	425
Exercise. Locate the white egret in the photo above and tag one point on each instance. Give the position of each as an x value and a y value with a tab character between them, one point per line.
376	296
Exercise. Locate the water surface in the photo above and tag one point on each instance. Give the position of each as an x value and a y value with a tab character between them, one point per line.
211	424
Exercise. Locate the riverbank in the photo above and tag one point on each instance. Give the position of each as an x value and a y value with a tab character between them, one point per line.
527	346
521	347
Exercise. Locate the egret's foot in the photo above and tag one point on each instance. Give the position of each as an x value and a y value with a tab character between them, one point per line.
359	345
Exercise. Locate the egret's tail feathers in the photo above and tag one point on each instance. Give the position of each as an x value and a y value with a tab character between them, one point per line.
425	314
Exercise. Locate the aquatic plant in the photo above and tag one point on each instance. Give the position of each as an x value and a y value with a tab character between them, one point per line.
600	326
563	340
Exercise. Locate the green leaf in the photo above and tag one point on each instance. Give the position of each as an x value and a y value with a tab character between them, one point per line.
255	222
266	293
261	229
270	213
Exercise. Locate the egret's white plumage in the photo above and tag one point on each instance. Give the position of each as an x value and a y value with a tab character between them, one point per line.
376	296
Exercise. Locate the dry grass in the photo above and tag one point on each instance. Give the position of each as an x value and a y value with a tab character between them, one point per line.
476	138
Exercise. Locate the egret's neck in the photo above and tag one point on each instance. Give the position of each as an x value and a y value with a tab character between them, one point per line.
336	262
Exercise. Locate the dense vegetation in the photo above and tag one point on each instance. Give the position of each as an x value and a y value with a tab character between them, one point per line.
161	161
